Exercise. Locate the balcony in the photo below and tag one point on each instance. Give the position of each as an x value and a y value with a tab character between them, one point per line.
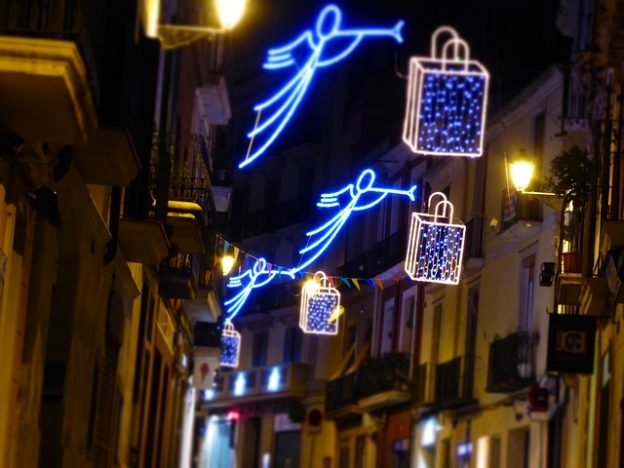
260	385
178	283
143	241
521	215
44	89
108	158
420	396
448	381
384	382
511	363
212	101
377	383
341	396
381	257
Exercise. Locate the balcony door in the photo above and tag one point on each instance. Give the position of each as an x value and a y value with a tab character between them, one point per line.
471	339
527	293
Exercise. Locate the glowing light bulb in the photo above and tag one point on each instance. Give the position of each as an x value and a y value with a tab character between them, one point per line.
227	263
521	174
311	286
230	12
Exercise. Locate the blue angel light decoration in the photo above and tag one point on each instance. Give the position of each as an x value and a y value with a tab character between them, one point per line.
257	276
354	197
361	196
324	46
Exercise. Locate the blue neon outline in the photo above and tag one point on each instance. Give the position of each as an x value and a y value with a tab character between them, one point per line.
328	231
326	28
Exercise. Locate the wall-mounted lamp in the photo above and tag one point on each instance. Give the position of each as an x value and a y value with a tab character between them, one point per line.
191	23
521	170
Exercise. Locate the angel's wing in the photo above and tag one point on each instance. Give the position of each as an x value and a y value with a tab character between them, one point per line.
331	200
274	114
285	56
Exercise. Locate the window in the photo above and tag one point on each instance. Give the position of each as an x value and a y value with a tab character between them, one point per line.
407	324
259	349
527	292
292	344
387	329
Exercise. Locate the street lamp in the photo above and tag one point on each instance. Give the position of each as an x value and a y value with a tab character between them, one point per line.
187	30
230	12
521	170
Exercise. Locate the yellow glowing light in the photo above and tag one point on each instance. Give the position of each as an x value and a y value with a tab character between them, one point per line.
311	286
230	12
227	262
521	174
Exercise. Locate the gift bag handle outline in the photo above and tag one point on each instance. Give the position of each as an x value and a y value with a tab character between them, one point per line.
457	44
445	204
228	329
430	201
435	38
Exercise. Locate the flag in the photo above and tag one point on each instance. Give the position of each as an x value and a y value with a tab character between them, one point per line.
356	283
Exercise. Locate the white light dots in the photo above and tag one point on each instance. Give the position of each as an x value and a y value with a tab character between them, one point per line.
435	248
230	346
318	306
446	100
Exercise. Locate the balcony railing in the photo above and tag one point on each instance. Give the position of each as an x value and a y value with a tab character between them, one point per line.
374	377
448	380
382	256
384	374
340	392
511	362
190	156
261	383
419	385
516	207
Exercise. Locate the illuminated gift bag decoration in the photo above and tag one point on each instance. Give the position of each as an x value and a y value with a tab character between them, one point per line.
319	303
446	100
230	345
437	246
410	257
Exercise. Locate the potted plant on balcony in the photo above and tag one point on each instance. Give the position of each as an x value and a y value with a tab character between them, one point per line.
570	179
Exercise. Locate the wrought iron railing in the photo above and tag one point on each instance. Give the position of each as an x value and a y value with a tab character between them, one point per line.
379	375
340	392
374	376
511	362
419	385
448	381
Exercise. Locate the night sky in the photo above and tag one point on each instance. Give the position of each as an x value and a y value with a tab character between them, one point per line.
516	40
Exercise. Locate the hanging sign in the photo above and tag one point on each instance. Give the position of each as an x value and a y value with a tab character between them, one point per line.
319	302
435	246
446	100
230	346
